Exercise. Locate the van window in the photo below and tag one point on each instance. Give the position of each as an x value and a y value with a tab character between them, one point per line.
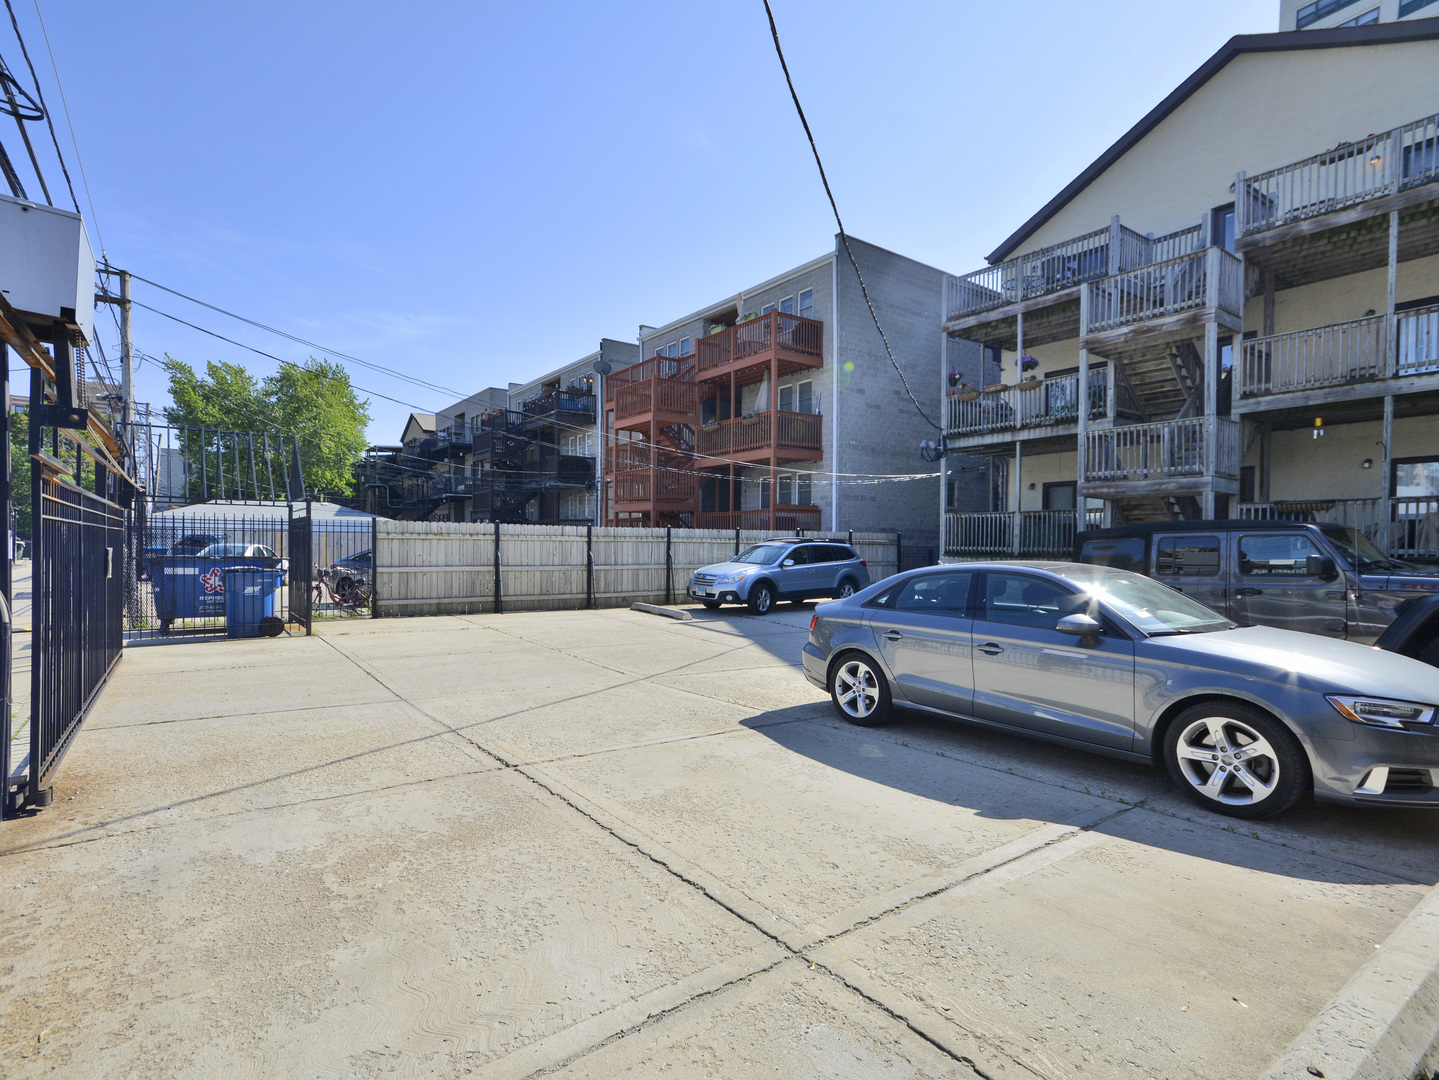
1121	554
1271	555
1188	555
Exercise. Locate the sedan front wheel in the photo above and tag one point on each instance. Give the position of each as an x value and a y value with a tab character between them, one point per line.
1235	760
859	691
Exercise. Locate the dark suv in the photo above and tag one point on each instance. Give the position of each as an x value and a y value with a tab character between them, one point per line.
784	569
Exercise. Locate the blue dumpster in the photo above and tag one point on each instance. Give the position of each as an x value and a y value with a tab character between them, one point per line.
193	586
251	600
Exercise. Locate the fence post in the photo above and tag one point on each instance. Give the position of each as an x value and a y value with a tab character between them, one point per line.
589	567
374	568
736	542
669	564
851	537
499	596
899	553
39	603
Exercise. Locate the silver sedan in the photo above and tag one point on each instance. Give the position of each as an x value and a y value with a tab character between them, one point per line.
1246	719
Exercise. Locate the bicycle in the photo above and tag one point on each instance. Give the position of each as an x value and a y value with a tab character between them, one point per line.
350	595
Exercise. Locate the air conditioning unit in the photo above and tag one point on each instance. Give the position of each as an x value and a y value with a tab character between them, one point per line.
47	270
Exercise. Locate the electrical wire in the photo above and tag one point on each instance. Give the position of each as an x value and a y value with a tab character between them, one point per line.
843	236
39	93
80	161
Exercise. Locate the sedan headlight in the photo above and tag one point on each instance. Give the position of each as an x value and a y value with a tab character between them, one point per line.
730	579
1381	712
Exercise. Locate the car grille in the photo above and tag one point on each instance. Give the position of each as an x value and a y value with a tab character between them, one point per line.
1410	781
704	579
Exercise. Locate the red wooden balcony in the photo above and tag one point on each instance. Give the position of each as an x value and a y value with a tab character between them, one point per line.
660	386
777	519
793	437
793	340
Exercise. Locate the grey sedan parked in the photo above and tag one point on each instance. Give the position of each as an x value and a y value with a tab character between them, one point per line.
1246	719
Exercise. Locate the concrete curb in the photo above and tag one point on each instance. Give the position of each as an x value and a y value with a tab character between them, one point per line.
1384	1023
667	612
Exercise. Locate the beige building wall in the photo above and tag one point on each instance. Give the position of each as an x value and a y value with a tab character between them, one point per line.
1040	469
1261	111
1342	299
1332	466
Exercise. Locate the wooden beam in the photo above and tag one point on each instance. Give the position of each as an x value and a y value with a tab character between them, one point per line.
1402	385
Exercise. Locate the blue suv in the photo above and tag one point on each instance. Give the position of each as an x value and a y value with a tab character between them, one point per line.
793	570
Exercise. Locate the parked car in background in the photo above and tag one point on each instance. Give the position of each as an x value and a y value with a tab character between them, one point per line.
782	569
1321	579
343	573
259	552
194	543
1246	719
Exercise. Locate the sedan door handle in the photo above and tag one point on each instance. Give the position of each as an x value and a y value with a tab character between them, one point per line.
892	635
991	648
1248	591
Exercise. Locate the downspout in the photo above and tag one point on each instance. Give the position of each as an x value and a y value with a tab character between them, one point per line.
834	392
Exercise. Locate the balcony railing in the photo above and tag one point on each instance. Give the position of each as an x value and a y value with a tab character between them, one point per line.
656	485
786	519
1347	175
660	384
559	401
792	334
1351	352
1027	534
1042	404
1062	266
1413	523
787	430
1209	278
1172	449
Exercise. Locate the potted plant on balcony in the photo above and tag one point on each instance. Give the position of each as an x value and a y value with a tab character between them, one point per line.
963	391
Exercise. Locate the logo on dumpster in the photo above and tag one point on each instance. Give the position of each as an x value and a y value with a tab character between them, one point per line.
214	581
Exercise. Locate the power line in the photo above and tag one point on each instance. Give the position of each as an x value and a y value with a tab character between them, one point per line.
39	93
73	141
843	236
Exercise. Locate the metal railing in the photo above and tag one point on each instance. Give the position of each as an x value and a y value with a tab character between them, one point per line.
1208	278
1350	173
1018	534
1166	450
1030	405
558	401
1350	352
783	430
792	334
786	519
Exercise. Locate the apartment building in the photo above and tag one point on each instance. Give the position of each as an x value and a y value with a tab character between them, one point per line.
777	408
1229	313
1331	14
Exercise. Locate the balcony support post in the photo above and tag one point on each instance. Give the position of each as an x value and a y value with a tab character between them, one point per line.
1018	347
773	433
1115	239
1082	390
1268	303
1014	523
1390	325
1240	203
945	423
1386	511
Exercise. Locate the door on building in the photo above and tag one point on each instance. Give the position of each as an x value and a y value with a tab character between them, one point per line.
923	631
1029	675
1273	586
1195	566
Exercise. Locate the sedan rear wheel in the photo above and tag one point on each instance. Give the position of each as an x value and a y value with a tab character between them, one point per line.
859	691
1235	760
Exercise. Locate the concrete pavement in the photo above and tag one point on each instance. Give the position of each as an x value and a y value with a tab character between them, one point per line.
607	844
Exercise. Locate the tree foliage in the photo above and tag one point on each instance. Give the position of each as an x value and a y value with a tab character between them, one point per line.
312	402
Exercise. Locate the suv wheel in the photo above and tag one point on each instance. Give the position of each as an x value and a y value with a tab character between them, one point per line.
859	690
846	589
1236	760
761	598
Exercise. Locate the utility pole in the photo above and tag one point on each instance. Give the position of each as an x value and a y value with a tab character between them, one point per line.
127	364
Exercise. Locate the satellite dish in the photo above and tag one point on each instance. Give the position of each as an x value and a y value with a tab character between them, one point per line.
603	367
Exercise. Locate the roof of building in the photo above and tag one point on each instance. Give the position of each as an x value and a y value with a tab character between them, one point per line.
279	511
1334	38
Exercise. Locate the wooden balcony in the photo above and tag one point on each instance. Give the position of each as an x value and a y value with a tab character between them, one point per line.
793	341
1371	175
1330	362
1040	408
776	519
661	386
1158	455
1202	281
791	436
1027	534
658	489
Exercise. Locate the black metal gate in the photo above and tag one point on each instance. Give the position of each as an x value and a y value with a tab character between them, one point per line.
77	591
302	565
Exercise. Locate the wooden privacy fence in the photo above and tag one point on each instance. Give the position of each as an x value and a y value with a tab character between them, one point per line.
440	568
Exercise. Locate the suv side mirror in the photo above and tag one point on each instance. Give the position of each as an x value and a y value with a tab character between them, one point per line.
1080	625
790	562
1320	566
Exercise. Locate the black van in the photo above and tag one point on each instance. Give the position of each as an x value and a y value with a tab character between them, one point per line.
1321	579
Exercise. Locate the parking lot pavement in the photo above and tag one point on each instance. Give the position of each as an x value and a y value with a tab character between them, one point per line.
602	844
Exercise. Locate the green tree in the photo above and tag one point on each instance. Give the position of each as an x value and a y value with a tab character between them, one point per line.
312	402
20	470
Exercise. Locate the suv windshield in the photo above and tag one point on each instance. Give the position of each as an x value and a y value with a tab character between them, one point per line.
1359	550
761	554
1147	604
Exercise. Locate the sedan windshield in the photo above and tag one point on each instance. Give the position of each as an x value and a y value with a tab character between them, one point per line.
1360	550
761	554
1146	604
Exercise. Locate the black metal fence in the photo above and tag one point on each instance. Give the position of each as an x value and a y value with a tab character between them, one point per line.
77	594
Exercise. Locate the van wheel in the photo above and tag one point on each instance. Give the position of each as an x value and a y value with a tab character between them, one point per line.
761	598
1235	760
859	690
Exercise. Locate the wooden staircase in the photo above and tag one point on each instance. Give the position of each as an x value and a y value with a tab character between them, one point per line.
1167	384
1139	508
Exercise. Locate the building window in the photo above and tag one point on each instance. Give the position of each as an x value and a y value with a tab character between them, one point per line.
1369	18
787	305
1408	7
806	303
1060	496
1221	229
786	399
686	346
1310	14
766	309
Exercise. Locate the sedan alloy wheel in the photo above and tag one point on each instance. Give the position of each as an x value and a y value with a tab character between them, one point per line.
859	691
1235	761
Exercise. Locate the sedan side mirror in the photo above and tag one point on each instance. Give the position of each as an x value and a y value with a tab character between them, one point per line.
1320	566
787	563
1080	625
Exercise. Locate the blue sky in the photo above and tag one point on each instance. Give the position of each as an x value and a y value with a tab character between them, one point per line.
475	193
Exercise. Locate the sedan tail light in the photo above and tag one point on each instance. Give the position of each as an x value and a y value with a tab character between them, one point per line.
813	621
